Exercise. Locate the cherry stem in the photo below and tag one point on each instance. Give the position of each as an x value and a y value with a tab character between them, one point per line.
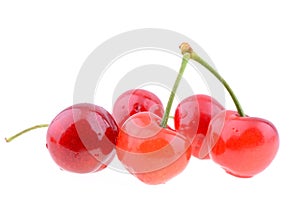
185	47
166	116
25	131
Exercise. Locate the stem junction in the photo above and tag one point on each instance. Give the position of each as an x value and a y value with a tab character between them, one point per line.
186	48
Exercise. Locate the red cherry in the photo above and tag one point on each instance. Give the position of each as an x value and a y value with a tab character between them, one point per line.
151	153
82	138
243	146
134	101
192	117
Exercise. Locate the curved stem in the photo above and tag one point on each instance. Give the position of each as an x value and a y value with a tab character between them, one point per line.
184	62
25	131
186	48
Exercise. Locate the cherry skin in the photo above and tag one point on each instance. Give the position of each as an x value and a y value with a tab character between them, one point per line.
243	146
82	138
134	101
151	153
192	117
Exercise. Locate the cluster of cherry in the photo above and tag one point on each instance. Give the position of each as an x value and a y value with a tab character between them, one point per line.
85	137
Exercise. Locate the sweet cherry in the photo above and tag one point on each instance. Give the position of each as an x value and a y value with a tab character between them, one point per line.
192	117
243	146
84	137
134	101
149	149
81	138
151	153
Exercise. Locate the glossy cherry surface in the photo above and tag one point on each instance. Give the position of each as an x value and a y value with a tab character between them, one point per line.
151	153
243	146
192	117
134	101
82	138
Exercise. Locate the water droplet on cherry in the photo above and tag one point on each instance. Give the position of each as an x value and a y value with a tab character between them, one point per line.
235	130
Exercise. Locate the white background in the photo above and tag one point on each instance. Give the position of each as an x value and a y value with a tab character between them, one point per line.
254	45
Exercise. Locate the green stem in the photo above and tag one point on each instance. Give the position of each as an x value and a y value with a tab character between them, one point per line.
25	131
166	116
186	48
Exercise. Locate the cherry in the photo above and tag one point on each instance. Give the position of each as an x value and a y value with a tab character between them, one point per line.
149	149
244	146
81	138
151	153
134	101
192	117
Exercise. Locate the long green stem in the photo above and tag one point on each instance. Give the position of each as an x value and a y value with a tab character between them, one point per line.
186	48
25	131
184	62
